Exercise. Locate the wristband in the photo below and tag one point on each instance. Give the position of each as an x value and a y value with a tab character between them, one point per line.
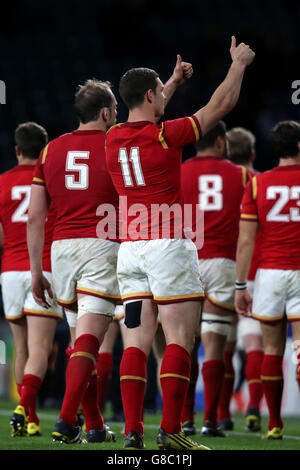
240	285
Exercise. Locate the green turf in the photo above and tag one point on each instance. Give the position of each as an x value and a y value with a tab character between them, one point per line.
236	440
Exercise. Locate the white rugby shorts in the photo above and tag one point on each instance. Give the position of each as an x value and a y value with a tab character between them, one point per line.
248	325
219	275
276	294
86	266
165	270
18	299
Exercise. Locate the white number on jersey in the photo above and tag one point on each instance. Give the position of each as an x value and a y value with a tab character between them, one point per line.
82	170
17	194
285	195
210	192
134	158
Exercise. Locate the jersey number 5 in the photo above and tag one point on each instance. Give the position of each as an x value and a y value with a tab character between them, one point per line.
210	192
134	158
20	193
82	170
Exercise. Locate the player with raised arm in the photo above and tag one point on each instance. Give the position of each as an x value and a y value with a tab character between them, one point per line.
271	201
157	267
72	173
32	326
241	151
216	186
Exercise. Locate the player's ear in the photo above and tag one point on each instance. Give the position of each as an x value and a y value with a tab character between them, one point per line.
298	145
105	114
18	151
149	96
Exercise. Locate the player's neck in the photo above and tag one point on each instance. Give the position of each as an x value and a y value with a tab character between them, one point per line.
289	161
208	153
92	126
26	161
142	114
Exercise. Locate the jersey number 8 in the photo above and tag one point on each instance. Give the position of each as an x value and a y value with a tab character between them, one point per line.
210	192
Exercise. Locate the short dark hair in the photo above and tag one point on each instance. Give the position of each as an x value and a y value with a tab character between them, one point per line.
241	143
30	138
135	83
209	139
284	139
90	98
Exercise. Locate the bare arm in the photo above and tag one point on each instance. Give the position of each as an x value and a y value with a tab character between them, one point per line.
38	209
245	248
182	71
227	94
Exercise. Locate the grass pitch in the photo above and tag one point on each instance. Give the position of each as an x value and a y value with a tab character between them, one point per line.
238	439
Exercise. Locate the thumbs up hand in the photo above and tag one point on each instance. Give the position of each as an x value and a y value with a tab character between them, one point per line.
183	70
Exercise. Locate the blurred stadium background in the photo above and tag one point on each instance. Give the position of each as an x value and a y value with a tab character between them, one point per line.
48	48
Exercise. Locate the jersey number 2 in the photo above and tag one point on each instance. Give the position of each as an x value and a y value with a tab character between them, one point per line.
285	194
17	193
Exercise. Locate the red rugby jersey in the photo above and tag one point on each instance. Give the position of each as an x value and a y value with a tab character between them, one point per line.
144	161
73	169
273	199
216	185
15	186
257	248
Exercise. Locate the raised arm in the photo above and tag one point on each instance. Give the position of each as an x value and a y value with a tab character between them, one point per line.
38	209
227	94
181	72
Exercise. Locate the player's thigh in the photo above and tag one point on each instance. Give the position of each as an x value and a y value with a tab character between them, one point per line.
249	334
274	336
159	343
219	279
295	325
179	322
13	294
19	332
41	332
142	336
110	338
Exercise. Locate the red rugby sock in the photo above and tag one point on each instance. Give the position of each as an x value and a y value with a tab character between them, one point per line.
213	374
104	370
272	384
78	374
30	387
133	376
254	362
92	414
188	413
174	378
227	387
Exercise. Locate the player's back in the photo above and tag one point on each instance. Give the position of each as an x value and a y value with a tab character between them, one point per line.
217	186
73	168
272	199
149	157
15	187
